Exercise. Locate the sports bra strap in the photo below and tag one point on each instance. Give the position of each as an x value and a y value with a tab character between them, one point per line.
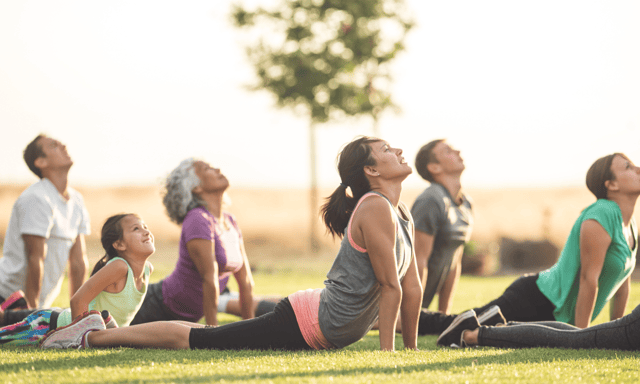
353	243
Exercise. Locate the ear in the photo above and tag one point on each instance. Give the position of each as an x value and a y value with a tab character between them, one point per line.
434	168
40	162
197	190
611	185
369	170
119	246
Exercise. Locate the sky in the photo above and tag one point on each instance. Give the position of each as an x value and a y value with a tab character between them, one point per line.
531	92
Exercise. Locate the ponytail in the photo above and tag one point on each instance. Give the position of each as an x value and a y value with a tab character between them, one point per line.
111	232
351	162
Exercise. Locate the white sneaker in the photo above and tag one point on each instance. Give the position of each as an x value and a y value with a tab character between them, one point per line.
74	334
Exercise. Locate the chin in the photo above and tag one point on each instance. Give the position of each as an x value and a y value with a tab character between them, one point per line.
406	174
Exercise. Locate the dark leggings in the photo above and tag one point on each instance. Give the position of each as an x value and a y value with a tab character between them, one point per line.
521	301
275	330
154	309
13	316
623	334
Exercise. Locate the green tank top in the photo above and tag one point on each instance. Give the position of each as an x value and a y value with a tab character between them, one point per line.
123	305
560	283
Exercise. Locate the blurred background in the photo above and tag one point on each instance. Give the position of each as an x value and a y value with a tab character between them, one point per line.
530	92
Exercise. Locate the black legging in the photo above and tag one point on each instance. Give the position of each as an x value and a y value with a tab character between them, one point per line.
623	334
13	316
275	330
521	301
154	309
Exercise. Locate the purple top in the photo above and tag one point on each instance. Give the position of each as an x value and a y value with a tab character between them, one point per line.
182	289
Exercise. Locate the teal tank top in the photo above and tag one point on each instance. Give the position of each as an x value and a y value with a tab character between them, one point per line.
560	283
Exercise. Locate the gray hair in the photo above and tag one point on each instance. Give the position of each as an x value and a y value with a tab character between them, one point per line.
178	197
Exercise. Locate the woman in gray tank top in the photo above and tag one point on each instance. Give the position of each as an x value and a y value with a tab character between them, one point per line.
373	277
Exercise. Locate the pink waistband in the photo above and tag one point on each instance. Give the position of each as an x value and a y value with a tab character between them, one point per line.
306	305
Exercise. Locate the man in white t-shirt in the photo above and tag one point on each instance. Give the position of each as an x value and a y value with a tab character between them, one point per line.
46	231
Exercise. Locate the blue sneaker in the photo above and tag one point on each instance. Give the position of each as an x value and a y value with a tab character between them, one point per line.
28	331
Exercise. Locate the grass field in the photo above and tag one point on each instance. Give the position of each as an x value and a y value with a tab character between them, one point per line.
359	363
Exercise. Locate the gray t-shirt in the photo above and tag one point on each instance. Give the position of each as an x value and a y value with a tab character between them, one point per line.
436	213
349	302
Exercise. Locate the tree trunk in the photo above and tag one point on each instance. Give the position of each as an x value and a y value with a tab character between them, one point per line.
314	242
376	127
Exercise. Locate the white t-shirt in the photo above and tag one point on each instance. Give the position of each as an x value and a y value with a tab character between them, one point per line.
231	243
42	211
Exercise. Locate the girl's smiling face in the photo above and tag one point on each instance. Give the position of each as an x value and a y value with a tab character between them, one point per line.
136	237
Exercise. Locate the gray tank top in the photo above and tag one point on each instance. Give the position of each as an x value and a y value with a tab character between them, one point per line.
349	301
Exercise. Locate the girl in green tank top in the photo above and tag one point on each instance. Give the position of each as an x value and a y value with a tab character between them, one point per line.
118	283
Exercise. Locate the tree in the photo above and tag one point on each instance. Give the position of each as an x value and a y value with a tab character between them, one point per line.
327	59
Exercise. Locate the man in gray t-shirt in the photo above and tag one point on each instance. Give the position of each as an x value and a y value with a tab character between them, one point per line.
443	222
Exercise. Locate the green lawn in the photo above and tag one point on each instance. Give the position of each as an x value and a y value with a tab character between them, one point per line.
359	363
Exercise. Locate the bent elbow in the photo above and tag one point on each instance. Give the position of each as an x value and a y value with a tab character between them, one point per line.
589	279
391	290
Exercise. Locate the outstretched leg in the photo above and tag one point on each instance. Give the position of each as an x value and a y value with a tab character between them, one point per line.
276	330
623	334
521	301
160	334
27	332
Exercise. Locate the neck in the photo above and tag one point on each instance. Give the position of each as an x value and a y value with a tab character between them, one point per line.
627	204
390	191
452	184
213	203
59	179
137	265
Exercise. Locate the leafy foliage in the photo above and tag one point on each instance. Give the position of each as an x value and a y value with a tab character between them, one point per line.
327	57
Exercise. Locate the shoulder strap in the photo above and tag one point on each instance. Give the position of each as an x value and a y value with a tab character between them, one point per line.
353	243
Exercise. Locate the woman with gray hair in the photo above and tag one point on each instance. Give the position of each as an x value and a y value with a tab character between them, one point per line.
211	250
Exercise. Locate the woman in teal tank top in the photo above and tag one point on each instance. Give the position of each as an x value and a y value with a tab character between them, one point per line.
593	268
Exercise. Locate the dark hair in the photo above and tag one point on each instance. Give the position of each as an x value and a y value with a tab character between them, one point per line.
351	162
111	232
424	157
32	152
599	173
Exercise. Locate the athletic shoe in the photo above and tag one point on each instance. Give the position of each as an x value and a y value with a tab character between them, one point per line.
15	300
28	331
492	316
452	336
74	334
